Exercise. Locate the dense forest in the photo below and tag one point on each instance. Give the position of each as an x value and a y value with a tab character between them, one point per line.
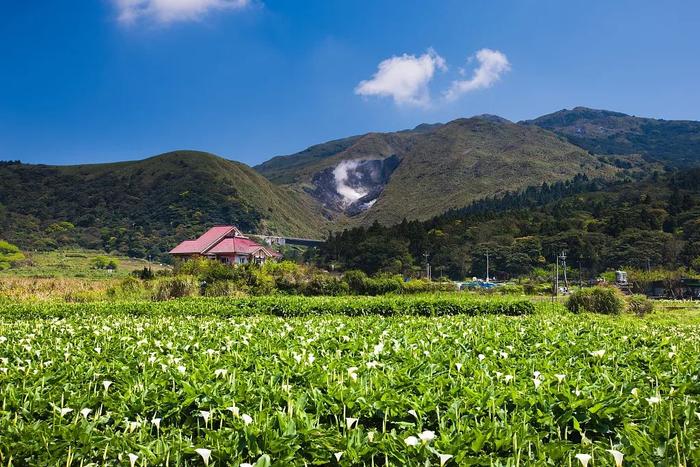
653	222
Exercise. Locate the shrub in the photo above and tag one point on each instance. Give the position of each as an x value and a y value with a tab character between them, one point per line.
360	284
383	285
425	286
510	289
259	281
104	262
223	289
175	287
356	281
130	285
534	288
289	277
216	271
324	284
505	289
640	305
604	300
9	255
207	270
143	274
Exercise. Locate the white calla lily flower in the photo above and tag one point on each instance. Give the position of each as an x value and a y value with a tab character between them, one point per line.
617	456
411	441
205	454
653	400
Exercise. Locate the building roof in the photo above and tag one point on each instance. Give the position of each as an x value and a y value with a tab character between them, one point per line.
186	247
237	245
207	240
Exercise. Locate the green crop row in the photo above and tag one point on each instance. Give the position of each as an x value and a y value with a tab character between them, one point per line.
286	306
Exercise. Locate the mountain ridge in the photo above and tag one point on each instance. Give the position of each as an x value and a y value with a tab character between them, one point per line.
673	142
465	159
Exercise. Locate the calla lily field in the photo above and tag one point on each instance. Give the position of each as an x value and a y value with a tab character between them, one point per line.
174	387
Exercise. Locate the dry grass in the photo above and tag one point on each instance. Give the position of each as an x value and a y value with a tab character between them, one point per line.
62	288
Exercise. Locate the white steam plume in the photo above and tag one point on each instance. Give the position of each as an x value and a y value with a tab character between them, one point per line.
349	194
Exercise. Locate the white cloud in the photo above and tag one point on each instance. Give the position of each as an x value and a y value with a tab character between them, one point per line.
404	78
492	64
167	11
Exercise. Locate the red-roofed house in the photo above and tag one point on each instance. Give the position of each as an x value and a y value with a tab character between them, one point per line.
227	244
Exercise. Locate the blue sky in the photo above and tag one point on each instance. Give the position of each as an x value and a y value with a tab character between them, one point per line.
102	80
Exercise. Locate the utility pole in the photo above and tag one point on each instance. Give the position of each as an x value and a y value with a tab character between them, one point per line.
580	275
563	265
556	280
487	265
427	266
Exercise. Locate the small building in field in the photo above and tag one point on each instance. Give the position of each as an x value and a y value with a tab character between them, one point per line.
678	289
227	244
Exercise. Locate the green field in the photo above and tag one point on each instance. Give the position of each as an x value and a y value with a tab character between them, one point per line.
160	381
74	263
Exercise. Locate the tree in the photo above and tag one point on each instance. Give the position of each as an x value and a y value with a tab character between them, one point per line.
381	254
103	262
9	255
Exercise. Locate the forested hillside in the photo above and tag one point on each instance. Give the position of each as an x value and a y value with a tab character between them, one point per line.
143	207
649	223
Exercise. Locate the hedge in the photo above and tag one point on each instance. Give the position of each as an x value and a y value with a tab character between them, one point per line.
285	306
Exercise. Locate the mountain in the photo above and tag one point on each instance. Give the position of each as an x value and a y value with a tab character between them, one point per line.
416	174
144	207
673	142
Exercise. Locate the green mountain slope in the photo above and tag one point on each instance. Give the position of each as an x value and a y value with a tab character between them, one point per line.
420	173
674	142
287	169
146	206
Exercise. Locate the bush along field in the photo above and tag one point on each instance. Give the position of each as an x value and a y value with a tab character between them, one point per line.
171	383
199	278
283	306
